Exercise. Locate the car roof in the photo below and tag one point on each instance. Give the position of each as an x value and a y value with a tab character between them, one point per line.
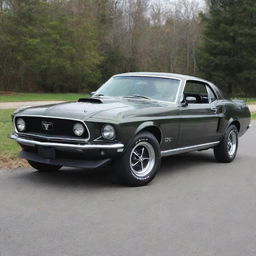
166	75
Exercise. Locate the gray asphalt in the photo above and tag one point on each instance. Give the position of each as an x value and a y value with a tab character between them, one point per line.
195	206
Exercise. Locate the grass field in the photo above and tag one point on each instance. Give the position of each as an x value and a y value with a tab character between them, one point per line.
8	149
247	100
250	101
10	97
7	146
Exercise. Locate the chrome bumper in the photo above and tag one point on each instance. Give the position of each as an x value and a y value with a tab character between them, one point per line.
118	146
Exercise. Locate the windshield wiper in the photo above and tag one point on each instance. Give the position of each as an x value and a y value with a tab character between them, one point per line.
138	96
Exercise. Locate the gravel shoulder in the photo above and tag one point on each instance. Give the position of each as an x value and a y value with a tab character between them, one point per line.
252	108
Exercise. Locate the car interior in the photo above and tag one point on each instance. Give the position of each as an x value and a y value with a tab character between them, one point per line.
198	93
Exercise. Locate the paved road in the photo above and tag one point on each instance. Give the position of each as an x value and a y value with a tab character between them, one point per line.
195	206
252	108
14	105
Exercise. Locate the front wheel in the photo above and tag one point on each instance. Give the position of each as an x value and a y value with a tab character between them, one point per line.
44	167
141	161
226	151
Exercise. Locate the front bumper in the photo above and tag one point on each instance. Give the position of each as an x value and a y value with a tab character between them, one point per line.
89	155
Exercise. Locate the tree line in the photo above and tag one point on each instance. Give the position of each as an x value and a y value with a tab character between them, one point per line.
228	52
75	45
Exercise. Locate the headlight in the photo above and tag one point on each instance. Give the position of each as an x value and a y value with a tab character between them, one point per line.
20	125
78	129
108	132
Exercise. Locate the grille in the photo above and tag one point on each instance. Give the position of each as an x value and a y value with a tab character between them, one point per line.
55	127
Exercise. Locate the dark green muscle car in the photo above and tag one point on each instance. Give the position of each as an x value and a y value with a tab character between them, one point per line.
132	121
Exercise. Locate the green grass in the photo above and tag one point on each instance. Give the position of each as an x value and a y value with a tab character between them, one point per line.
250	101
247	100
7	147
10	97
253	116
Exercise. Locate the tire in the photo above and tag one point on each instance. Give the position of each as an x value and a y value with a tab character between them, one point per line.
140	162
226	151
44	167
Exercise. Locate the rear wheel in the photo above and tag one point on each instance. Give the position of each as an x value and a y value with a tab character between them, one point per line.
44	167
140	162
226	151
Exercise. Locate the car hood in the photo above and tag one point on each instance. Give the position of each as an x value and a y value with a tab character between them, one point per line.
104	109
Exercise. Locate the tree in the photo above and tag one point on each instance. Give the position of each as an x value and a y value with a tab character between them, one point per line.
75	45
228	55
45	47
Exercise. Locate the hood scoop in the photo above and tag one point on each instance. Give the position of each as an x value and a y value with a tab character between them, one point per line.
93	101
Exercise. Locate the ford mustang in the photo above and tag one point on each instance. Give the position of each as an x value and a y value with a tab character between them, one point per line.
132	121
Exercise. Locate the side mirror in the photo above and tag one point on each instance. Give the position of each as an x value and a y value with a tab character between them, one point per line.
92	93
184	103
190	99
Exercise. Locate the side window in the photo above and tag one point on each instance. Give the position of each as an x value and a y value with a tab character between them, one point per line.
198	91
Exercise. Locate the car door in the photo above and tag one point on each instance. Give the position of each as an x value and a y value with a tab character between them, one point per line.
199	116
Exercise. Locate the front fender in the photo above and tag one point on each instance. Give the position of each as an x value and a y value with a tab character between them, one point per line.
143	126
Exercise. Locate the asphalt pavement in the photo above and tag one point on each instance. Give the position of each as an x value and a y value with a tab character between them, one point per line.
195	206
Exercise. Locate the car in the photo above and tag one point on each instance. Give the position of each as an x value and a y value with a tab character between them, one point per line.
131	122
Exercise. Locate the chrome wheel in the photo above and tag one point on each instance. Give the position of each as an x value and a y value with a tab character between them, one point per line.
142	159
232	143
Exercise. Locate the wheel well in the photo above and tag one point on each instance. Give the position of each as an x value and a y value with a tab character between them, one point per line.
237	124
155	131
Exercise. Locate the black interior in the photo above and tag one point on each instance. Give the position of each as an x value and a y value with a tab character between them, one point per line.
200	98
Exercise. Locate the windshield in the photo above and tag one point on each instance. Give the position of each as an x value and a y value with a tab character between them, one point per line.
164	89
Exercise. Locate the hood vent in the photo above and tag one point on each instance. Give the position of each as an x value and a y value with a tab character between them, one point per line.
93	101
